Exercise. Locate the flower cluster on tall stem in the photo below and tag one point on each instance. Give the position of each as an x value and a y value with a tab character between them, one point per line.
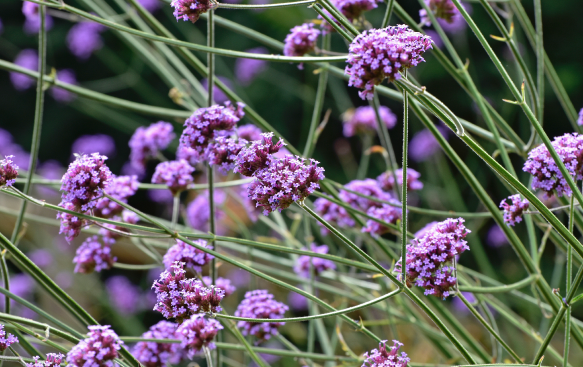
99	349
198	332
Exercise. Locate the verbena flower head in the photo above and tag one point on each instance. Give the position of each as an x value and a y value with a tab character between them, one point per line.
260	304
152	354
423	145
301	40
249	132
222	283
147	142
93	255
53	360
189	255
351	9
496	237
513	212
285	181
63	95
84	38
379	54
580	119
246	70
6	339
318	265
223	152
150	5
258	155
198	332
177	175
8	171
191	9
124	296
110	236
428	255
180	297
386	213
200	128
98	143
85	181
99	349
32	22
190	155
387	180
120	188
198	211
70	224
363	120
546	174
27	59
384	357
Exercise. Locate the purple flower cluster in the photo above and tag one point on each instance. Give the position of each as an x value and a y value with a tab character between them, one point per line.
546	174
27	59
363	120
98	143
513	212
386	358
150	5
258	155
259	304
32	21
223	152
99	349
379	54
53	360
428	254
70	224
189	255
222	283
20	157
63	95
423	145
247	70
301	40
147	142
8	171
386	213
580	119
6	340
177	175
84	38
124	296
120	188
92	256
387	180
85	181
447	14
198	211
249	132
180	297
304	263
198	332
496	237
191	9
351	9
152	354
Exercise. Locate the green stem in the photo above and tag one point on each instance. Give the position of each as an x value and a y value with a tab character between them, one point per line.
341	18
326	15
264	6
404	186
569	277
500	289
388	12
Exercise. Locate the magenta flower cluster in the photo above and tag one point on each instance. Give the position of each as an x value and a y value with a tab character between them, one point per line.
85	181
152	354
513	212
546	174
384	357
190	10
6	339
180	297
99	349
301	40
379	54
363	120
147	142
260	304
177	175
198	332
120	188
386	180
53	360
428	255
258	155
8	171
84	38
93	255
189	255
304	263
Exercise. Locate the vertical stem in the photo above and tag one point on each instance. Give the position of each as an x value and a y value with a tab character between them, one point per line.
568	283
386	143
404	186
175	210
388	13
540	59
366	140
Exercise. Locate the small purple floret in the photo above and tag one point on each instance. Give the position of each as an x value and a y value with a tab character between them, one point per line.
84	38
222	283
120	188
513	212
27	59
258	155
8	171
190	10
6	339
63	95
386	213
147	142
301	40
53	360
85	181
124	296
32	22
363	120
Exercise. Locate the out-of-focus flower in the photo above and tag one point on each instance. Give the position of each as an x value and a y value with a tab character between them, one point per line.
6	339
41	258
189	255
85	180
99	349
387	180
147	142
177	175
427	257
120	188
301	40
496	236
249	132
546	173
124	296
8	171
84	38
447	14
386	358
423	145
23	286
460	306
50	170
218	95
379	54
152	354
513	212
198	332
258	155
110	232
435	38
93	255
318	265
246	70
27	59
297	302
70	224
386	213
580	119
222	283
192	156
363	120
260	304
351	9
198	211
98	143
53	360
32	22
190	10
160	196
150	5
63	95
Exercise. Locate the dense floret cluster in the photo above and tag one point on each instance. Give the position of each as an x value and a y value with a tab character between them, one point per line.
301	40
306	264
258	155
120	188
260	304
6	339
513	212
85	180
93	255
198	332
147	142
386	358
8	171
189	255
152	354
190	10
177	175
53	360
99	349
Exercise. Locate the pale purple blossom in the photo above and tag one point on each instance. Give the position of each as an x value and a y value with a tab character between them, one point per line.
385	357
249	132
218	95
580	119
351	9
8	171
50	170
317	265
98	143
22	285
222	153
152	354
123	295
32	21
27	59
99	349
120	188
53	360
6	339
198	332
160	196
192	156
423	145
147	142
260	304
63	95
177	175
190	10
93	255
447	14
246	70
189	255
301	40
513	212
41	257
70	224
150	5
198	211
84	38
386	180
496	237
363	120
110	232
